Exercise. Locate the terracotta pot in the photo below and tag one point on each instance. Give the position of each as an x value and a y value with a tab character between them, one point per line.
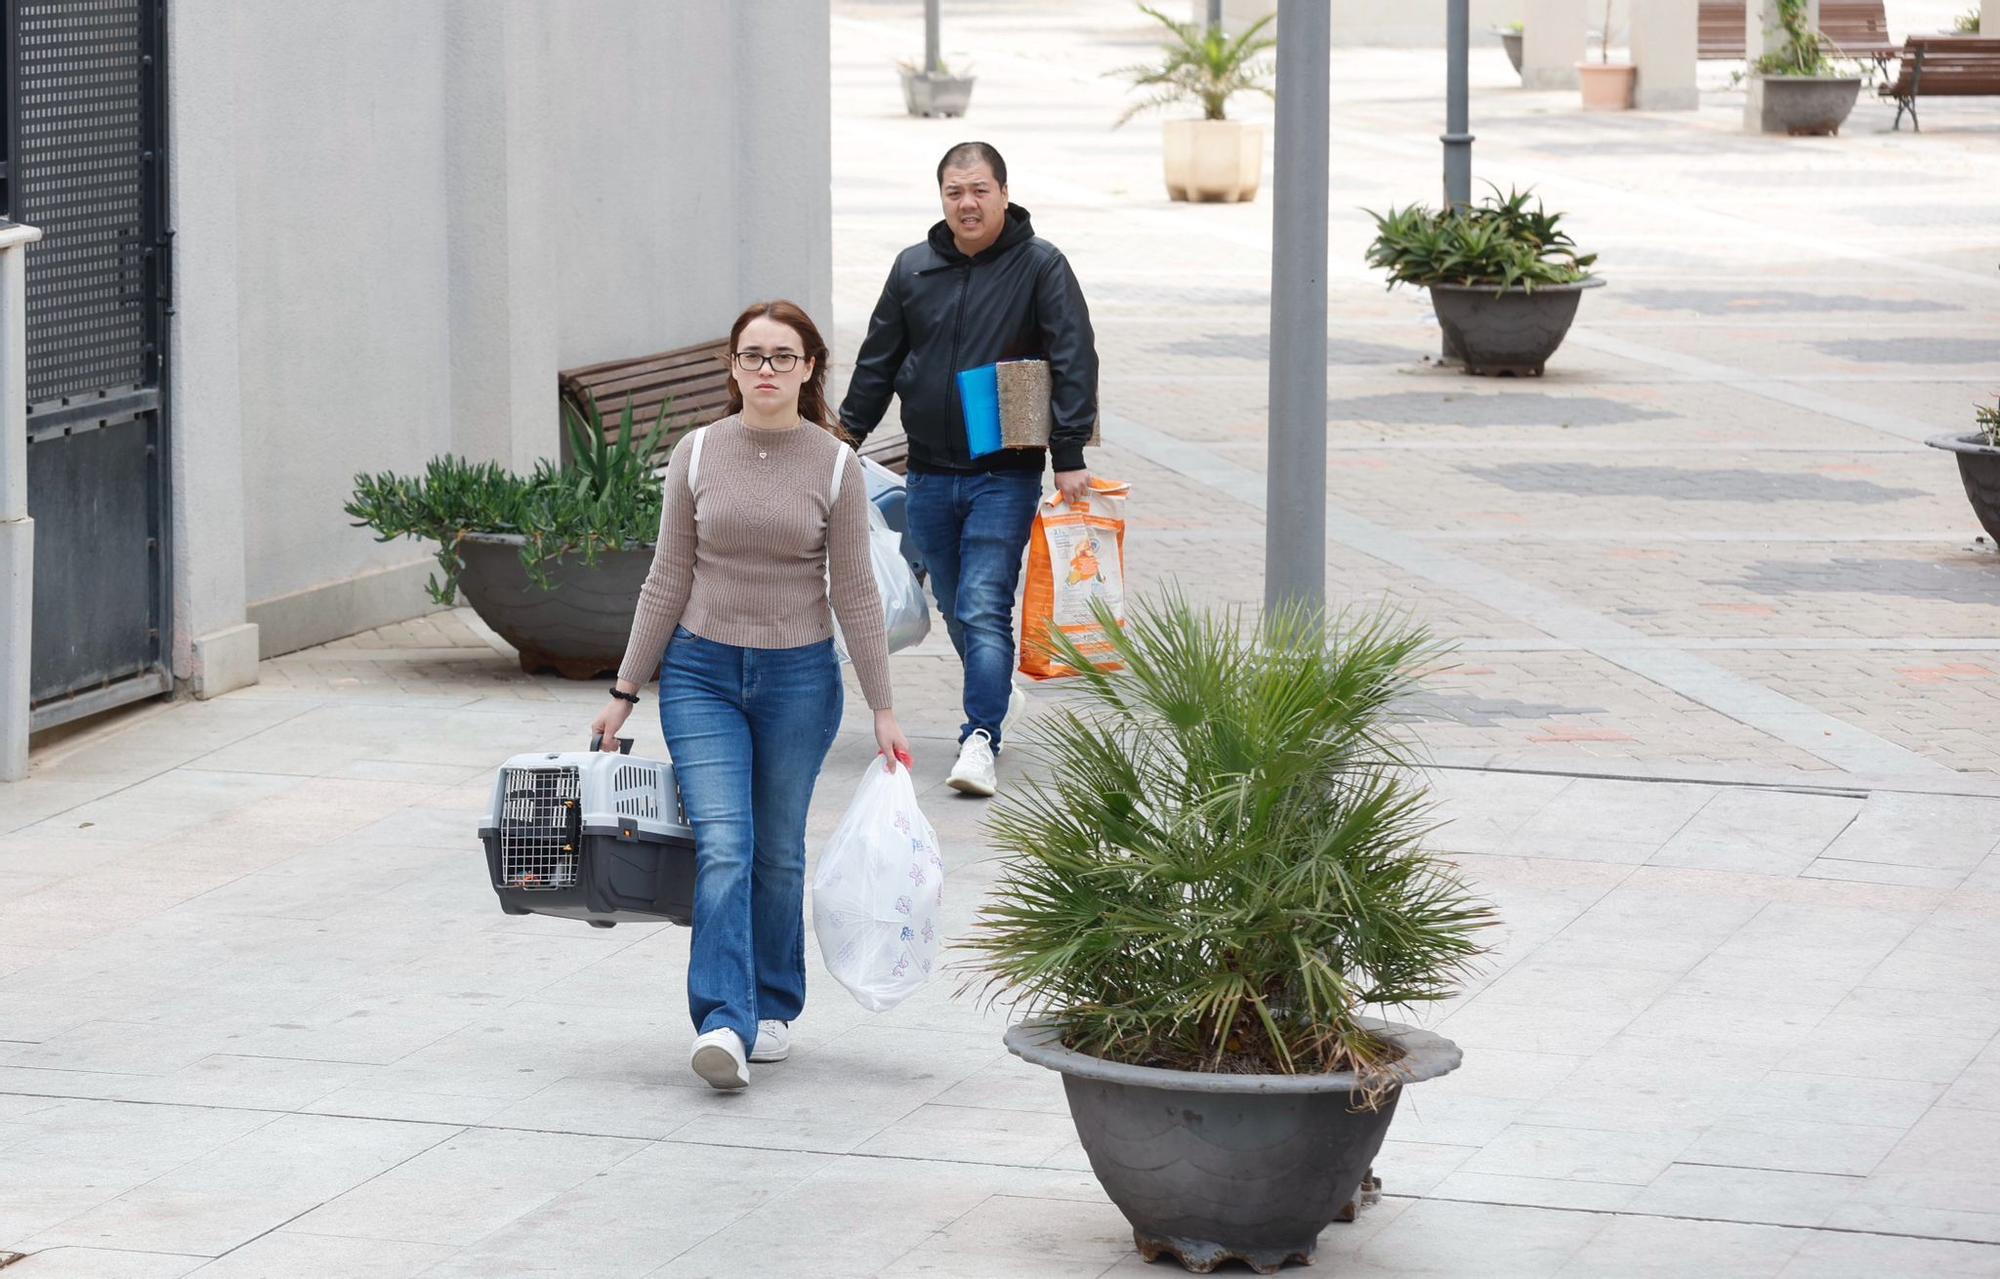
1607	86
1214	160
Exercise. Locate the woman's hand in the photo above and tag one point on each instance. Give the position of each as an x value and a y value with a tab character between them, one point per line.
890	741
609	720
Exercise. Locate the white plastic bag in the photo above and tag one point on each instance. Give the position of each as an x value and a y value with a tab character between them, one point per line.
905	612
877	892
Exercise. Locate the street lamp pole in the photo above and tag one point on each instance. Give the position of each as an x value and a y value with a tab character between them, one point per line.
930	37
1457	137
1215	15
1295	480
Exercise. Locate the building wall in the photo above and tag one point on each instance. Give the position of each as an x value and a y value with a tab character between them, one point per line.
1412	23
398	219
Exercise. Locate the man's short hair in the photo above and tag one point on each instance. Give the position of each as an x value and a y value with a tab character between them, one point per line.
967	154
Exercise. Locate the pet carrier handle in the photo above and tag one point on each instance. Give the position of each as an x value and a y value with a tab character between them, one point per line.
624	743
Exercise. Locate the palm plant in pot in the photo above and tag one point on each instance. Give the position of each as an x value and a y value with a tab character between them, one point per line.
1800	85
552	561
1606	85
1213	158
1505	279
1979	464
1221	871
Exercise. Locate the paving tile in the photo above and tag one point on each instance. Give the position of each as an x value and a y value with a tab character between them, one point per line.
1439	1237
1870	1256
1610	821
472	1184
1581	1194
1771	833
1666	1248
1747	1194
105	1263
1579	1154
986	1136
295	1255
1795	1145
1938	832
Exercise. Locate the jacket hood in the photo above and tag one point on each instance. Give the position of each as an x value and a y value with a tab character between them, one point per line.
1019	231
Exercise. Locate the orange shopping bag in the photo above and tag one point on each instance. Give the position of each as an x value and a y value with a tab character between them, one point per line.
1076	555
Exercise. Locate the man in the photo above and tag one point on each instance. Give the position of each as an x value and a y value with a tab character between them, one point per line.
982	287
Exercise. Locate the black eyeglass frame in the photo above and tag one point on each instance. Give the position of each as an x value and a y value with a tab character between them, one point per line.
759	360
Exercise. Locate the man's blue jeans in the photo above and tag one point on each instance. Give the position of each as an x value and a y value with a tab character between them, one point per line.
748	729
971	531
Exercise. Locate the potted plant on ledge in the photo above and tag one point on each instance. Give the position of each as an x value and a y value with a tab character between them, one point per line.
1510	40
1221	870
1800	87
1505	279
1213	158
553	561
1979	465
1606	85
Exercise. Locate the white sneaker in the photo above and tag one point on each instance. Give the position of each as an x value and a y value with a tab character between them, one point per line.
774	1041
718	1058
1017	701
973	774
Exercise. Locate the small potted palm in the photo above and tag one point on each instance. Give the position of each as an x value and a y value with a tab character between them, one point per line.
1505	279
552	561
1606	85
1213	158
1979	465
1220	872
1802	87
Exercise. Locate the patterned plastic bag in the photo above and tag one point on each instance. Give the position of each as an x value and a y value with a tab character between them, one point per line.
877	892
1076	555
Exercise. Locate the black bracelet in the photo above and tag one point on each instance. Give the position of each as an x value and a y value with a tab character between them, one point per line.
624	697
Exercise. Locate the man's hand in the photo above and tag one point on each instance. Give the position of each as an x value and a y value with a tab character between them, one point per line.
1074	486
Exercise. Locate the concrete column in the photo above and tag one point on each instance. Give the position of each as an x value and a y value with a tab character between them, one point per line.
783	117
1764	34
17	531
1664	49
1552	40
1295	463
214	647
504	315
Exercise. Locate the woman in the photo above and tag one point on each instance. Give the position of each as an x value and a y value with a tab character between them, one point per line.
750	556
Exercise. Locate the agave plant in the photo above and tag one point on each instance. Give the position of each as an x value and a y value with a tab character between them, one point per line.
1202	64
1501	242
1805	52
1222	866
1988	419
604	498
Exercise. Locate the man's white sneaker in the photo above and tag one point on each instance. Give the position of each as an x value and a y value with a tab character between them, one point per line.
973	774
718	1058
1017	701
774	1041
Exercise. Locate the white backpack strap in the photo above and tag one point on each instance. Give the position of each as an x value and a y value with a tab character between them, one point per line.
694	457
839	472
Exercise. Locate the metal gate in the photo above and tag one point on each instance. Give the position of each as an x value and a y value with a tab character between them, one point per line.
85	161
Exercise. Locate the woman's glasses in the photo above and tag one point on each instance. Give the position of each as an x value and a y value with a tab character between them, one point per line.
751	361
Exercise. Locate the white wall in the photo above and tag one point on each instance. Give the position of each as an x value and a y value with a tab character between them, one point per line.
400	218
1412	23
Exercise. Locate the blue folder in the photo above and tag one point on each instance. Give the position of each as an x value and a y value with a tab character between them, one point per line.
979	398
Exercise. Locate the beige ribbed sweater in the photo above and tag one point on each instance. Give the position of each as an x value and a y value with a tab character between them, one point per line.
745	560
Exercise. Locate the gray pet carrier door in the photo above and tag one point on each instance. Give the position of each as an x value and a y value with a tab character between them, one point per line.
85	161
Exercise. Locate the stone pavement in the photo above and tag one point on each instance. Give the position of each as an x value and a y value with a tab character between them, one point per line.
1717	741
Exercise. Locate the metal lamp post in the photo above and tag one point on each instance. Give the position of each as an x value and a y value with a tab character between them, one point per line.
930	37
1295	481
1457	104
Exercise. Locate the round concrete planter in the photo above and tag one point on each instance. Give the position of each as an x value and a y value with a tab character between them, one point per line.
1511	42
1509	332
925	94
1808	106
579	628
1213	160
1979	469
1211	1167
1607	86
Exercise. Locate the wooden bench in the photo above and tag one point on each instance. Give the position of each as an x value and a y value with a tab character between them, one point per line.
1855	28
693	384
1944	67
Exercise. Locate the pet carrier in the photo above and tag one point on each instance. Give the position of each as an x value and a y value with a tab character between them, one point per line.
590	835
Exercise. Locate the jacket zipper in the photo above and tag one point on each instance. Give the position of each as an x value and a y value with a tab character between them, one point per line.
957	337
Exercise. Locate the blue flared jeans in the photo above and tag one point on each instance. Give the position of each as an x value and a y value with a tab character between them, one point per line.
748	729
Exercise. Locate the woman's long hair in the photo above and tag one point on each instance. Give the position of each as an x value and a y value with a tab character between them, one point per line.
812	394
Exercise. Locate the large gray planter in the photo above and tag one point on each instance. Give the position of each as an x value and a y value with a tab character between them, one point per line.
579	628
1512	331
1211	1167
1979	469
925	94
1807	105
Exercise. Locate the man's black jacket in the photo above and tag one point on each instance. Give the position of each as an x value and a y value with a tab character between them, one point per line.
942	312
